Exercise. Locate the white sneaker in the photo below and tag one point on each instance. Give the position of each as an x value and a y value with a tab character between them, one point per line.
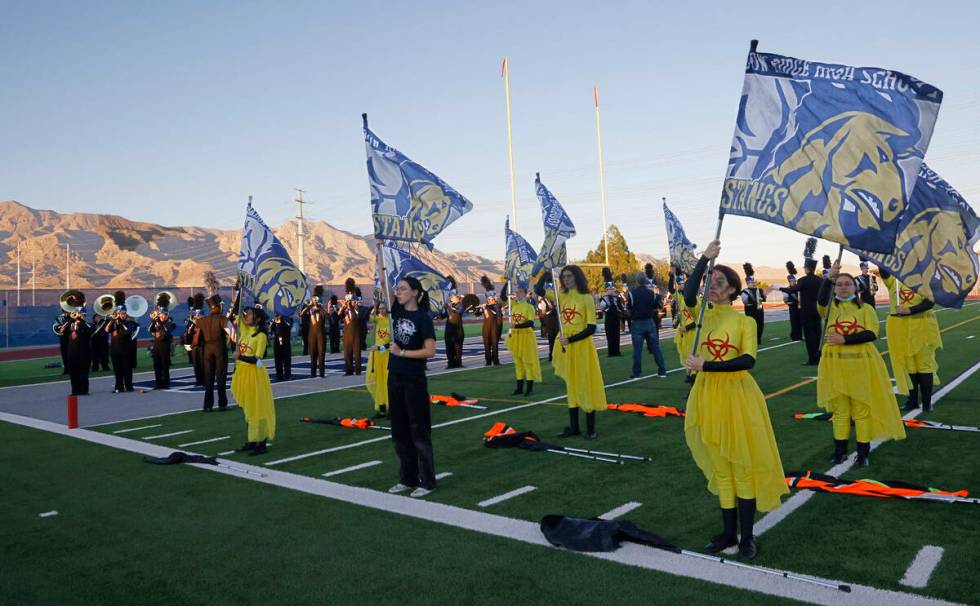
419	492
397	488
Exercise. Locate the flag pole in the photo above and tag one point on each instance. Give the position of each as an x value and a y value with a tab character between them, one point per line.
510	320
602	175
505	72
711	262
826	320
238	319
561	327
378	251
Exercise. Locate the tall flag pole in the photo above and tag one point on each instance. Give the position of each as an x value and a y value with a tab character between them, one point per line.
602	174
505	74
558	228
680	249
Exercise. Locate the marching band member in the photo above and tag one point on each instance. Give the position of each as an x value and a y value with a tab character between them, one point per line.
644	308
575	357
547	312
352	329
867	283
250	384
454	333
304	328
333	324
491	323
913	337
99	343
727	426
281	331
62	320
612	309
683	319
316	331
521	342
195	353
852	381
807	288
212	338
792	301
752	300
161	329
377	370
363	315
78	333
122	336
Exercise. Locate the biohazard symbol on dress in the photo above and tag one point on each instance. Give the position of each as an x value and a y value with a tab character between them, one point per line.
382	335
243	348
687	314
568	314
846	327
905	295
518	318
718	348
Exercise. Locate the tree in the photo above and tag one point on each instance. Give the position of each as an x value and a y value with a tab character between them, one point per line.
622	262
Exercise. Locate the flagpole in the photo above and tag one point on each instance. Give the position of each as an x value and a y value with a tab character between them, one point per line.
602	175
380	254
510	325
711	262
505	72
826	320
561	327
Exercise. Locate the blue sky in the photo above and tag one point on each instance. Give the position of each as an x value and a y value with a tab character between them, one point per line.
175	112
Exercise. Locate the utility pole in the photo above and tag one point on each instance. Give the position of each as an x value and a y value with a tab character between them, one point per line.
68	266
300	234
33	280
18	274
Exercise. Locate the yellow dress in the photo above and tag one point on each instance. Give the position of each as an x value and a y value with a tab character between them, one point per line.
377	369
252	390
852	381
727	426
685	342
522	344
578	362
912	340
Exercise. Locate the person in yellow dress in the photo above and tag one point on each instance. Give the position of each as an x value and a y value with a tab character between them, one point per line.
684	321
852	381
574	356
727	426
521	342
913	338
377	373
250	384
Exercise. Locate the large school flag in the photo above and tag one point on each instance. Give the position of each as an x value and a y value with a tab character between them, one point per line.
399	263
828	150
408	203
558	227
681	249
934	254
266	274
519	258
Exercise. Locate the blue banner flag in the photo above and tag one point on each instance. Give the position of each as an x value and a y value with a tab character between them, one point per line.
399	263
518	260
681	249
558	227
266	274
408	203
831	151
934	253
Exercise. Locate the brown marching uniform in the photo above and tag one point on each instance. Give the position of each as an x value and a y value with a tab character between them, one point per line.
211	332
316	339
492	324
352	337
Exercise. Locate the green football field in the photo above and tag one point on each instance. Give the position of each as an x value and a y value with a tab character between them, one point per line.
128	532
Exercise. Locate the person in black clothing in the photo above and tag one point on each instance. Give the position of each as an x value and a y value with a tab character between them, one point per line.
867	284
454	333
99	344
413	341
547	311
122	335
304	330
333	324
78	332
752	299
363	315
792	301
612	309
658	308
62	320
161	329
643	308
281	332
808	287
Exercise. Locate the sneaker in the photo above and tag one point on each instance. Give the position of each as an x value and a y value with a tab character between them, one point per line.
569	432
634	376
420	492
662	374
592	436
398	488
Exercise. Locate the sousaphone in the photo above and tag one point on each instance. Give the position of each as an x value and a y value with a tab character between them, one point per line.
71	300
136	306
104	305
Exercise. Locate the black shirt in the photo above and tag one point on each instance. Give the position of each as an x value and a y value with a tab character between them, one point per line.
643	304
410	329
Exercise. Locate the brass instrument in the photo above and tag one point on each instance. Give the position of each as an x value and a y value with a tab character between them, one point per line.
136	306
69	301
104	305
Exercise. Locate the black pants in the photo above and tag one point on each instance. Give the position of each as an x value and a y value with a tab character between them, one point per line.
612	335
411	429
78	373
161	366
551	331
454	345
100	353
284	361
122	370
811	335
215	371
795	328
760	322
63	346
334	333
197	358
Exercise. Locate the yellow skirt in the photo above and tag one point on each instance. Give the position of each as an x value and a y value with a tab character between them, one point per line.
912	344
684	344
578	365
523	348
253	392
726	412
858	372
377	378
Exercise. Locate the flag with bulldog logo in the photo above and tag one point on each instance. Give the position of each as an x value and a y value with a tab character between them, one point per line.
266	273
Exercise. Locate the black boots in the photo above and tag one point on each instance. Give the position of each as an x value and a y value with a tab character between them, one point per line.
260	448
727	538
382	412
530	388
590	433
913	402
863	450
746	520
840	452
925	388
573	428
520	388
245	447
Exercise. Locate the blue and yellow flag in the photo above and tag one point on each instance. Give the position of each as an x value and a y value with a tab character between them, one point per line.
681	249
558	227
399	263
266	274
831	151
934	254
519	258
408	203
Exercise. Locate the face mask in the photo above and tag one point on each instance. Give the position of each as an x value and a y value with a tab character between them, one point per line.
845	300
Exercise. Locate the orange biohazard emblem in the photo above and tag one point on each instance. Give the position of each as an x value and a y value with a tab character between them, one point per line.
687	314
382	334
905	295
718	348
243	348
569	313
518	318
846	327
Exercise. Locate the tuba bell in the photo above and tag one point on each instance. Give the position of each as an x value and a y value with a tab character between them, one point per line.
136	306
104	305
165	299
71	299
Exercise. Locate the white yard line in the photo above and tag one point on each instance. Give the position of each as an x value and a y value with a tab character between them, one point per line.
507	495
351	468
47	514
167	435
444	474
208	441
524	531
226	453
922	566
137	428
619	511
